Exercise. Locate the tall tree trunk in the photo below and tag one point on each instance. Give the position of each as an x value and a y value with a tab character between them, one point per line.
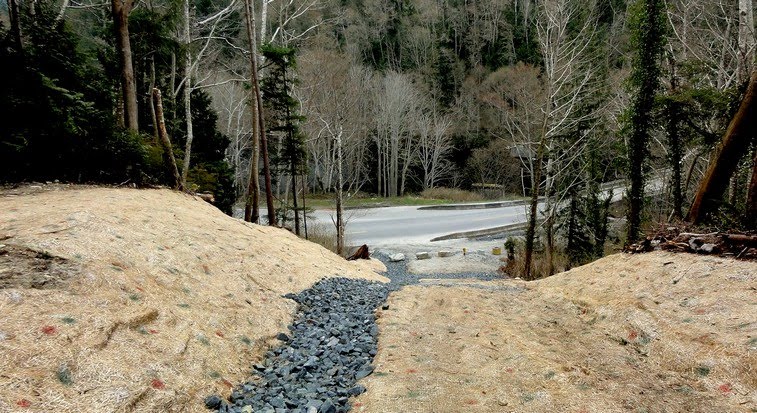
304	179
293	171
725	160
647	73
549	229
187	96
173	85
263	23
380	183
339	186
153	116
250	21
746	39
674	141
251	208
751	201
165	141
120	10
14	16
531	229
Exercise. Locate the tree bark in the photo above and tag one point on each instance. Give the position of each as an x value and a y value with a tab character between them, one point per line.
339	186
531	230
153	116
250	21
751	201
187	96
725	159
15	23
746	39
647	71
674	141
165	141
252	209
120	10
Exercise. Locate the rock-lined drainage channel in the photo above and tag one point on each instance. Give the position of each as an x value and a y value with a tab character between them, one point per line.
330	346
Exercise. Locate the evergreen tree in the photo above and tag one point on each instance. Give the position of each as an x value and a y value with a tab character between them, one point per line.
57	106
284	118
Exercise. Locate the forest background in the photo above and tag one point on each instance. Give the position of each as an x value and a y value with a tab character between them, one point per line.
503	97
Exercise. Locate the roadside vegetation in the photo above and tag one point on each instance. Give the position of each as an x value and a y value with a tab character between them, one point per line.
288	104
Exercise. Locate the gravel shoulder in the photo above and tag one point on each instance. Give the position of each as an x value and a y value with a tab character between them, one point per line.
478	258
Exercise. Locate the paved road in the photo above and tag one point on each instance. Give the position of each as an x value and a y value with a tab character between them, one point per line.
410	225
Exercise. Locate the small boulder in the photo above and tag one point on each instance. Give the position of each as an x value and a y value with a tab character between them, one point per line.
708	248
422	256
397	257
213	402
444	254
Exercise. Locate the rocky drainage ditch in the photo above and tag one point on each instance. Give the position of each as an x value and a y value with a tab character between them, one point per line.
329	348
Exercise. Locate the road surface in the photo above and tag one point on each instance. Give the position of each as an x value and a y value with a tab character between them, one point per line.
414	225
410	225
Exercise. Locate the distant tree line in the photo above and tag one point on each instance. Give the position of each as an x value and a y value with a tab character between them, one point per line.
549	100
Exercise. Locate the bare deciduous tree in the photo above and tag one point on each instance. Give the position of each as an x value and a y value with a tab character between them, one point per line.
120	10
434	146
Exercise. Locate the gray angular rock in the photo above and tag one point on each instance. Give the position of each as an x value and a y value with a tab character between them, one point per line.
422	255
213	402
397	257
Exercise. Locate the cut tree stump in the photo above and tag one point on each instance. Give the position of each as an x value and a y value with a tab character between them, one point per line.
361	254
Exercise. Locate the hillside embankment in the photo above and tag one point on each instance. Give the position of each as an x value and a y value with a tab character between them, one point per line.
140	300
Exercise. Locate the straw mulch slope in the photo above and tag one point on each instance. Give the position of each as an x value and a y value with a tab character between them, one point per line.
658	332
139	300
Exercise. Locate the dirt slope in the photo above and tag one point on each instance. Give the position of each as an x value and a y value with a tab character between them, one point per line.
656	332
139	300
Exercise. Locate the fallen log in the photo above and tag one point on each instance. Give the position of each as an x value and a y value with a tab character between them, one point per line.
741	239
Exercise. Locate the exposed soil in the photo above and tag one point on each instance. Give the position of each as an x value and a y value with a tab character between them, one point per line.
656	332
22	267
118	299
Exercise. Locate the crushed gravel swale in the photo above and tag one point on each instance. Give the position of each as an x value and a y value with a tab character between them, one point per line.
328	348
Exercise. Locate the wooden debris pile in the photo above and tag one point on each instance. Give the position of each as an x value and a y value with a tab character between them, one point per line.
738	245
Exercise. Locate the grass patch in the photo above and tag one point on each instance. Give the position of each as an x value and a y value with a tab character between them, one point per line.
323	235
68	320
246	340
413	394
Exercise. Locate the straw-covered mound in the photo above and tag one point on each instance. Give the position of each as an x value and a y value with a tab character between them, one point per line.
658	332
139	300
